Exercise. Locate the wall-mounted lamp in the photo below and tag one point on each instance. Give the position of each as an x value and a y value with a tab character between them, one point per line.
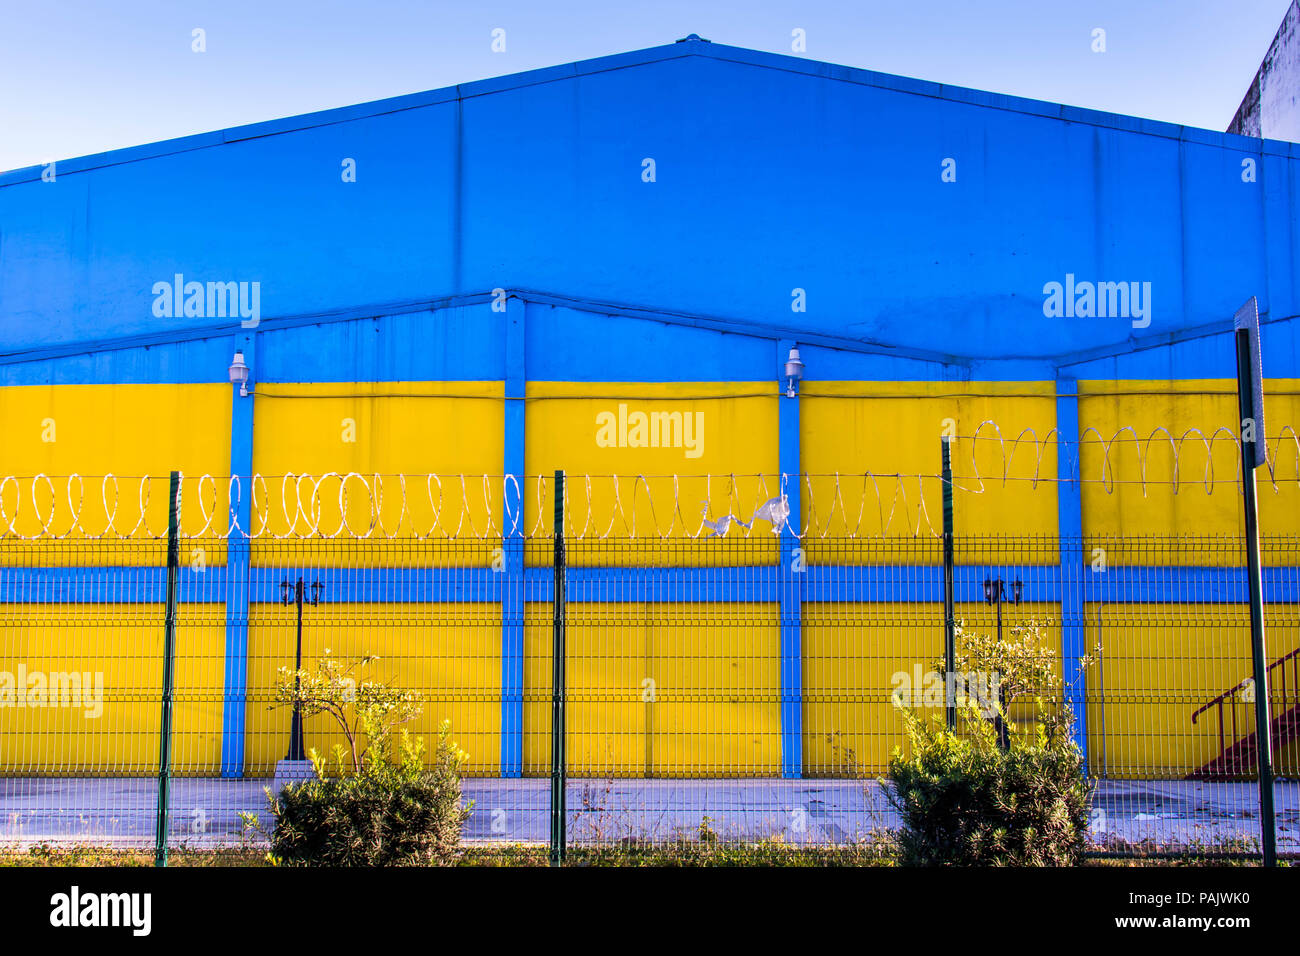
793	373
239	374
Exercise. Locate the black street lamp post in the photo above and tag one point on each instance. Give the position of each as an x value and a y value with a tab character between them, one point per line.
296	593
995	592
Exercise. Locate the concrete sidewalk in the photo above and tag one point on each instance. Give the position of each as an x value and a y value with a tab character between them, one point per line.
121	811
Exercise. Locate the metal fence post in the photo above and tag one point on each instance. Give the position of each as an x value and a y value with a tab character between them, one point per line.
557	685
949	602
1250	393
168	675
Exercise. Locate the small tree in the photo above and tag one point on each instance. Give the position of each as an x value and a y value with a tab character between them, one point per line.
334	688
1021	666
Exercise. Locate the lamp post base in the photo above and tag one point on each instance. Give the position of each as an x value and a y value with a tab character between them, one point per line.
291	771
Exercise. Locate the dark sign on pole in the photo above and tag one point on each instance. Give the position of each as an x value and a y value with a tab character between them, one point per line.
1250	405
1247	320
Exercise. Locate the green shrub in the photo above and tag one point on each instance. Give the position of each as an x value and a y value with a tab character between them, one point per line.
378	808
966	801
396	812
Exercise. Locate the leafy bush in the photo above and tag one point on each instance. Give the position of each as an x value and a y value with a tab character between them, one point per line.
966	801
396	812
379	808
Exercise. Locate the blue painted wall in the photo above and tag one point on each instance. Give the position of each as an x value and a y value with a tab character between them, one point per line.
773	173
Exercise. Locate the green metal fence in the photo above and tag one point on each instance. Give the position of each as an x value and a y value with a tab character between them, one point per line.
715	683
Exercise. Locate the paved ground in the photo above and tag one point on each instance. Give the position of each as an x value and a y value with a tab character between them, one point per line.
204	811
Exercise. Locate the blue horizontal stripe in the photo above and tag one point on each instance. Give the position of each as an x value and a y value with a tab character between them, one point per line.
1188	585
752	584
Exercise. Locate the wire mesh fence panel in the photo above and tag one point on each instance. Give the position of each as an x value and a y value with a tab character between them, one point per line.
81	661
751	701
723	682
80	679
1170	717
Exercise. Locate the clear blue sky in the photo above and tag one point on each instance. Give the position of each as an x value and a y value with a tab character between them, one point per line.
81	76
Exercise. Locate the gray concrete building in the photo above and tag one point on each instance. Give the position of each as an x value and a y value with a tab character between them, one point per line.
1271	107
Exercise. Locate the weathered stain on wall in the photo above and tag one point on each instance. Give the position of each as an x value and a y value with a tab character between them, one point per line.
1271	107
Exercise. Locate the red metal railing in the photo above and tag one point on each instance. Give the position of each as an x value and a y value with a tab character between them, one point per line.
1281	690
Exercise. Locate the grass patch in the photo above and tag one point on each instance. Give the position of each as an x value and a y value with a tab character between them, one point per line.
74	854
876	851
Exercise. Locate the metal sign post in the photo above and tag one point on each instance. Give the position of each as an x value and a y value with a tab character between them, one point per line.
558	838
1250	403
168	674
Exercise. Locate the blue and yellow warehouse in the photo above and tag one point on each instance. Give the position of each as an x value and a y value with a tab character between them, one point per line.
603	268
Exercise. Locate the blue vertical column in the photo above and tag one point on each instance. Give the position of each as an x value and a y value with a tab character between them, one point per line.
237	564
1069	505
791	577
512	544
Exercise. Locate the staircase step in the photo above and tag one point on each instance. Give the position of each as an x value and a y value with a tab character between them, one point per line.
1238	759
